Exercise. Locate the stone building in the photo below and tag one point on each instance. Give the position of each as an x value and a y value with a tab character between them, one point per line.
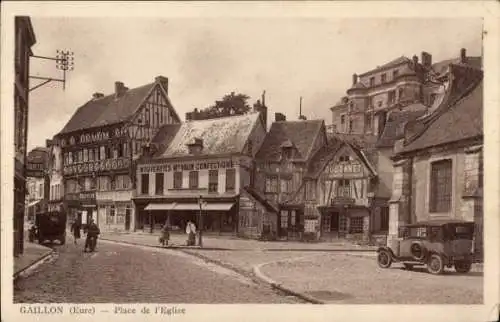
199	163
438	171
281	164
55	178
25	39
99	146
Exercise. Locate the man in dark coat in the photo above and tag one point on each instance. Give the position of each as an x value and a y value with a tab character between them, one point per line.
75	230
92	232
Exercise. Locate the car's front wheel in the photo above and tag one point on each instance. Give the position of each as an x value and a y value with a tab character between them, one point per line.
435	264
463	266
384	259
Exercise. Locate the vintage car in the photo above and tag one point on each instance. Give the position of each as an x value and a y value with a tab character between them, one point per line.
51	226
436	244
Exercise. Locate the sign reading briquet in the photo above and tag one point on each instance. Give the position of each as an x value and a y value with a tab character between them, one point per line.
187	166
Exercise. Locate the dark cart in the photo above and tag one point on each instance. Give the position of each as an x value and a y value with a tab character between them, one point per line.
51	226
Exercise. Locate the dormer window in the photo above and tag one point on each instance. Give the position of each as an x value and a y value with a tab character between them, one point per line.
287	149
196	146
344	158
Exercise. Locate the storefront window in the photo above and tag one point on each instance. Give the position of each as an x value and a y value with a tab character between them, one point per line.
110	219
357	225
145	183
120	215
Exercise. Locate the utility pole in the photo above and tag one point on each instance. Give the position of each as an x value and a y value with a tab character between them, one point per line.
64	61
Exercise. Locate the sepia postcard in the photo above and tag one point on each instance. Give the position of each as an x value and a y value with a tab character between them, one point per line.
250	161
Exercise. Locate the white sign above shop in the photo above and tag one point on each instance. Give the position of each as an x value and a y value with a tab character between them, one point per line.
187	166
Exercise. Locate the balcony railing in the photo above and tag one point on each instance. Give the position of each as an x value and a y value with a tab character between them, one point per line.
96	166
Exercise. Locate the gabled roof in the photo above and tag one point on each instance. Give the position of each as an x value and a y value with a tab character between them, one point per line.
394	126
38	155
328	151
441	66
460	116
392	63
301	133
111	109
220	135
108	109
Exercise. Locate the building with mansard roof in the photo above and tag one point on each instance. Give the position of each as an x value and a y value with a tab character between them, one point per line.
438	162
206	163
98	148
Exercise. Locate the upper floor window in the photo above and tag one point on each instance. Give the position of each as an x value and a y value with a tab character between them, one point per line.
344	188
159	183
230	179
368	122
178	180
344	158
122	182
392	96
342	121
372	81
193	179
102	152
400	93
286	185
395	73
441	186
351	125
104	183
310	190
383	78
145	183
213	180
85	155
272	184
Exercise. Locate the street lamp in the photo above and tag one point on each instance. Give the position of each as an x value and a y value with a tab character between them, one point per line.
201	202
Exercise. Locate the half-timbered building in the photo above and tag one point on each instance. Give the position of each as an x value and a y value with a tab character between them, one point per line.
281	164
100	144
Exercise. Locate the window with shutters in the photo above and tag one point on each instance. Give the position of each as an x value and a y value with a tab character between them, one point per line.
230	179
441	186
159	183
193	179
145	183
213	180
344	188
178	180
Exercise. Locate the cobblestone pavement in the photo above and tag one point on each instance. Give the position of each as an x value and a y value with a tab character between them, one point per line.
131	274
344	279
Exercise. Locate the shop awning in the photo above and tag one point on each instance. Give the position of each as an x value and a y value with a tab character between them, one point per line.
189	206
33	203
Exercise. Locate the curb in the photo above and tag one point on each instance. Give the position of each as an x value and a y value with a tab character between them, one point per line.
164	247
246	249
278	286
45	257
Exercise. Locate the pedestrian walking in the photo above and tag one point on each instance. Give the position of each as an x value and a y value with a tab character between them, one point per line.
75	230
92	232
191	232
165	235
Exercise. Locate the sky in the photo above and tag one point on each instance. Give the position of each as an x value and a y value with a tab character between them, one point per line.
206	58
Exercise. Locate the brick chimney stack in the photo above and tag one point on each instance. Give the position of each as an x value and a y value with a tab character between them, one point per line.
426	59
120	89
97	95
279	117
163	81
354	79
463	55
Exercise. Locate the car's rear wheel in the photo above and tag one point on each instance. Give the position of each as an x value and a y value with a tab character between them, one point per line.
435	265
384	259
463	266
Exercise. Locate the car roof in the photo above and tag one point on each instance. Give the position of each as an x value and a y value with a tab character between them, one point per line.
439	222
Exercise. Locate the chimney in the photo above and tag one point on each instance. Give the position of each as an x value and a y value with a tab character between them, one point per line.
303	118
279	117
415	60
48	143
97	95
426	59
163	81
463	55
120	89
354	79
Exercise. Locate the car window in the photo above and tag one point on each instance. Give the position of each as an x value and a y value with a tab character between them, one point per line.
418	232
434	233
461	232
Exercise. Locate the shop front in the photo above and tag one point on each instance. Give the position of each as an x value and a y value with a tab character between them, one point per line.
215	215
81	207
